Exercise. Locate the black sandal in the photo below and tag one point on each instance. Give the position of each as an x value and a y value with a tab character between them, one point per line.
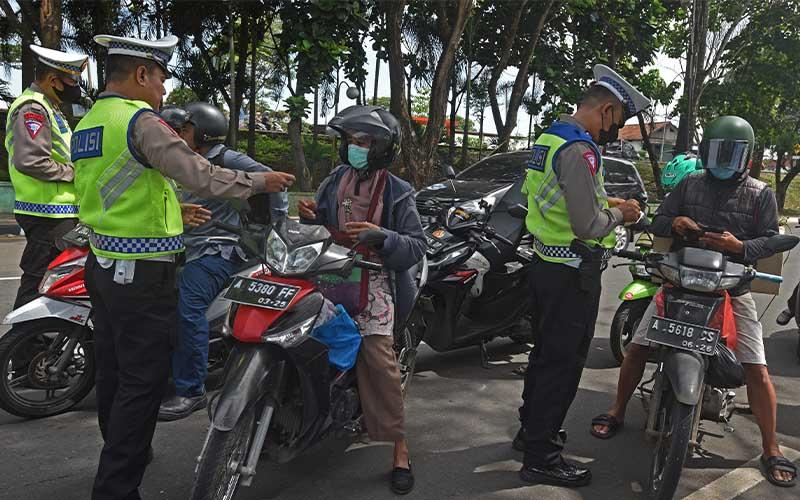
402	480
776	463
610	421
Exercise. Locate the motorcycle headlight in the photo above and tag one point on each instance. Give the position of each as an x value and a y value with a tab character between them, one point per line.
700	281
729	282
52	276
291	336
670	274
301	259
276	252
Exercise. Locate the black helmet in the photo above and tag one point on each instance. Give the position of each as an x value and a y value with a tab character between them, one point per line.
174	116
210	125
374	121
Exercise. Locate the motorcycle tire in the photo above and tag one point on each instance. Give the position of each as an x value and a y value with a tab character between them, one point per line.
405	349
35	332
214	477
671	449
624	324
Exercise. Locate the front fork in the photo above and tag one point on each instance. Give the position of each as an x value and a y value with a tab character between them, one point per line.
653	426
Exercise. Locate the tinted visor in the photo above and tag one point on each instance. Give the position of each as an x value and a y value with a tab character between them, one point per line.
726	153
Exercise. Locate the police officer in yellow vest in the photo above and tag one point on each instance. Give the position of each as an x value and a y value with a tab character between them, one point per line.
124	155
572	221
37	141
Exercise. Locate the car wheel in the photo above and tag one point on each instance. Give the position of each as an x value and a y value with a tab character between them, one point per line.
623	238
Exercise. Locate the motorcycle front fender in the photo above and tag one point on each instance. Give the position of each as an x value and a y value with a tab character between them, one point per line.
45	307
686	372
247	370
638	289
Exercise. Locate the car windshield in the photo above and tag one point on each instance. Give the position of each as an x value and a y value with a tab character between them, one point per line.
618	172
498	167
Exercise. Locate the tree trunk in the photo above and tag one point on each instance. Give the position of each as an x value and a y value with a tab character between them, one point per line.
651	154
50	22
465	149
758	161
233	124
480	134
451	131
295	130
251	123
28	57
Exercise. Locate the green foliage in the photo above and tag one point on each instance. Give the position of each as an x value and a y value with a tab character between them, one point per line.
181	96
275	150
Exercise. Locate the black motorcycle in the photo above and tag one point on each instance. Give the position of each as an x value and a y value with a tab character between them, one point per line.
477	278
280	395
695	370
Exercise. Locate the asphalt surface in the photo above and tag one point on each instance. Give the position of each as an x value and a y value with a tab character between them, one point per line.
460	421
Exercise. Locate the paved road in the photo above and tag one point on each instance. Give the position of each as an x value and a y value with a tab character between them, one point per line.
461	419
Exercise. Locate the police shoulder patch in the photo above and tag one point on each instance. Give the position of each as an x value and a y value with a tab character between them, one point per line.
591	161
33	123
87	143
538	157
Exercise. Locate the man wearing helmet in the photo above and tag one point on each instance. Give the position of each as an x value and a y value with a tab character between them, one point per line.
358	196
723	196
678	168
212	254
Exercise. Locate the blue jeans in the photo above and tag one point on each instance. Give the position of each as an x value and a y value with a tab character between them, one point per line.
200	282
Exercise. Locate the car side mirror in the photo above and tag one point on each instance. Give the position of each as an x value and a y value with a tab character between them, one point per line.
518	211
782	242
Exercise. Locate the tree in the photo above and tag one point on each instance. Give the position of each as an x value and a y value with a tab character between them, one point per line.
181	96
417	154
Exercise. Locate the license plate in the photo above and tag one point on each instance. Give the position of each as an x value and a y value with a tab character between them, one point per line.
261	293
682	335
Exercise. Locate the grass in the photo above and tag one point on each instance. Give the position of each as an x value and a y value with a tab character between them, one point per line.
791	207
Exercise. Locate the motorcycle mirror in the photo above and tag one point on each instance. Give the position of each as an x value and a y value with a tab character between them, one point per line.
372	238
518	211
448	171
782	242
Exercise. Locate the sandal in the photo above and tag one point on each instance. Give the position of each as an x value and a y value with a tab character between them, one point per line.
610	421
402	480
776	463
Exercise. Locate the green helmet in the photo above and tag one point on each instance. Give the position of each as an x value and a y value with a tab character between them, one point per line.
678	168
726	147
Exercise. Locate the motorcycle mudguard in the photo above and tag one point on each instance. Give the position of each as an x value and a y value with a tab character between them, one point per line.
686	372
247	369
45	307
638	289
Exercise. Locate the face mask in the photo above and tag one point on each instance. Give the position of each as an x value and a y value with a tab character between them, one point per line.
357	156
70	94
722	173
608	135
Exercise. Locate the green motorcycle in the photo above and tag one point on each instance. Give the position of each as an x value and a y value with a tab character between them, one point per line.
635	297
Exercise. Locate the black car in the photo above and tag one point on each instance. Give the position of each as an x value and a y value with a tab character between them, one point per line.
500	177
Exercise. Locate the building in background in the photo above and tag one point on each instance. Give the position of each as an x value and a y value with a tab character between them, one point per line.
663	136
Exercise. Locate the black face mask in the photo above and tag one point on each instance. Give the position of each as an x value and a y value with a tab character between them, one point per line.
71	94
608	135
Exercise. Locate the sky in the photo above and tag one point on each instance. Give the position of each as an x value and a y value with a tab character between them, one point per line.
670	70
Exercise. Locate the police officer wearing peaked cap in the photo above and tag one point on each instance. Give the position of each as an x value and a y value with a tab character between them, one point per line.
572	221
124	155
37	141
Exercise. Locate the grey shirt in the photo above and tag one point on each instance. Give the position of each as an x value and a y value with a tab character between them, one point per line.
33	147
576	177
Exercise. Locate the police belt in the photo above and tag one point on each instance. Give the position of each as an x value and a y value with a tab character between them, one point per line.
559	252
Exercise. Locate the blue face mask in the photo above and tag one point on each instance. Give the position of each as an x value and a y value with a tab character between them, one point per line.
357	156
722	173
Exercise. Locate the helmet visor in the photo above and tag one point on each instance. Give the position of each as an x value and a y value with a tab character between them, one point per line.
726	154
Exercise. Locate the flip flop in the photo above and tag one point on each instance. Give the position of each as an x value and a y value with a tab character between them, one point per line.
609	421
771	464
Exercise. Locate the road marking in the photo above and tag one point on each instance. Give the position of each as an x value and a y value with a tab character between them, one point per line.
10	278
737	481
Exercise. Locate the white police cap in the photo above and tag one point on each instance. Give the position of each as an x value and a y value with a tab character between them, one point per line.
632	100
71	64
159	50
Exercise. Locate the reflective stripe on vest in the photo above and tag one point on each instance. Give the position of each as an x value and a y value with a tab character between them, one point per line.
131	208
548	219
51	199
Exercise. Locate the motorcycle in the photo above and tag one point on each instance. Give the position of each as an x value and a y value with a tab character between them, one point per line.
280	395
47	357
687	332
477	281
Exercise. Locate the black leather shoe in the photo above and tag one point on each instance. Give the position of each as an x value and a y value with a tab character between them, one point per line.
178	407
402	480
565	474
519	443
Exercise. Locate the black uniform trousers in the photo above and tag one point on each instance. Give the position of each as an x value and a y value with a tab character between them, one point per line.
564	319
134	330
41	234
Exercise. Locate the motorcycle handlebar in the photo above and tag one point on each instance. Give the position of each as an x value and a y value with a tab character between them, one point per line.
625	254
371	266
769	277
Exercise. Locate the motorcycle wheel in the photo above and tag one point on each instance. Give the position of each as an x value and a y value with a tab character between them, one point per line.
406	352
219	468
27	351
671	448
624	237
623	326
